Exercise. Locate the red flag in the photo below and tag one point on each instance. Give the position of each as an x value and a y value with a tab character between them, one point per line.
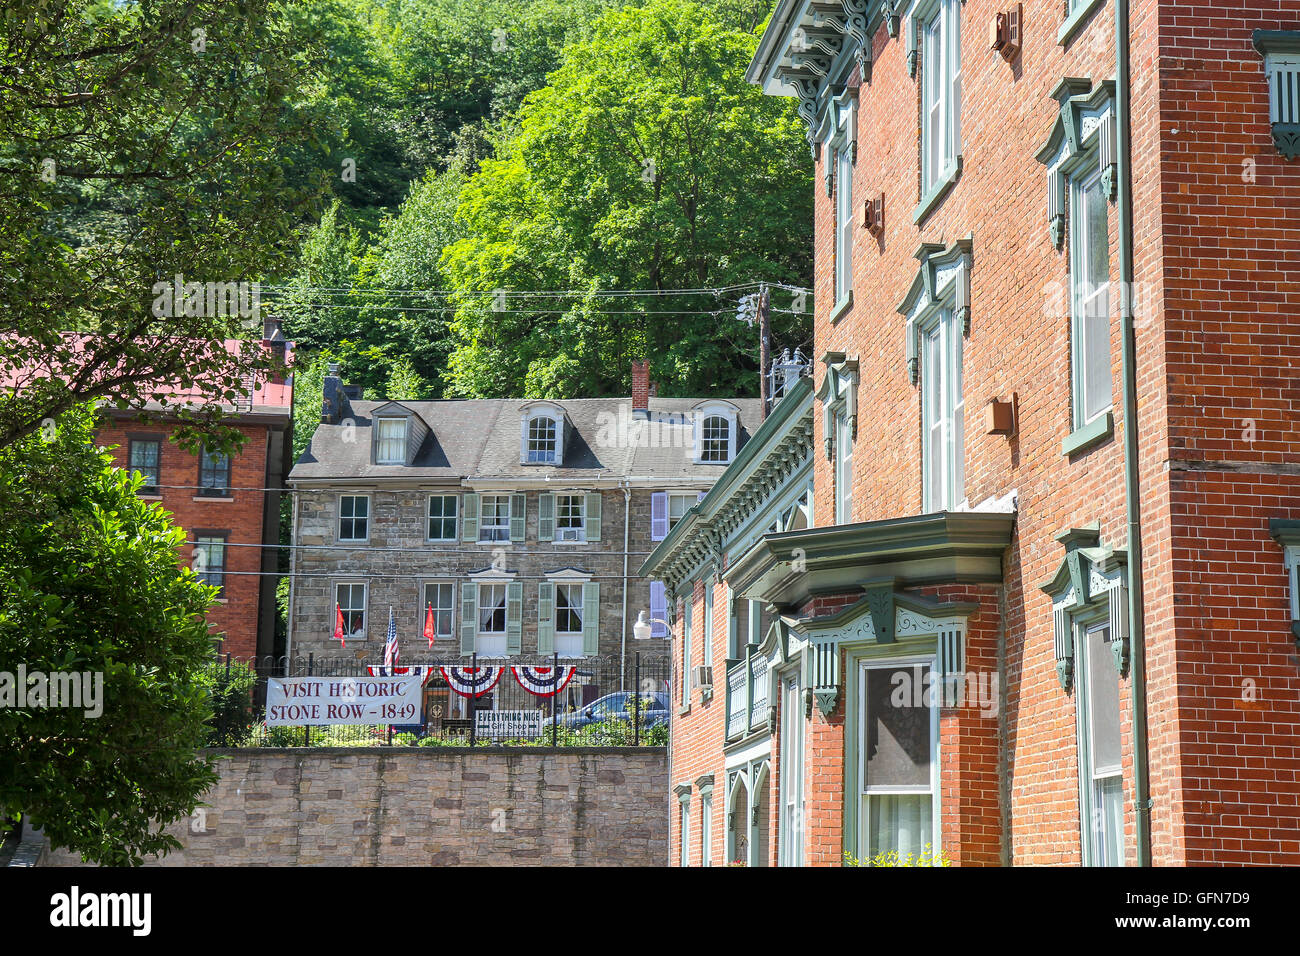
338	626
429	629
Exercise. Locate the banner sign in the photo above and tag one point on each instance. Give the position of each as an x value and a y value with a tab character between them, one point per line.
292	701
543	681
508	723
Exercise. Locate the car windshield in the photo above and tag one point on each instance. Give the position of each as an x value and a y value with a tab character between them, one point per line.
609	705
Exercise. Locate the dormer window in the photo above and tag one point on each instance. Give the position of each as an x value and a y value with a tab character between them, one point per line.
543	436
715	433
390	442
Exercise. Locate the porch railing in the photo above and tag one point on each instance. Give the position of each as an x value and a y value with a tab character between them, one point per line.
747	703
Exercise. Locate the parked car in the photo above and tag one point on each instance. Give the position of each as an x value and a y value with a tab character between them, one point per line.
654	711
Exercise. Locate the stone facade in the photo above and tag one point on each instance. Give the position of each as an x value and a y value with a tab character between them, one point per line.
429	806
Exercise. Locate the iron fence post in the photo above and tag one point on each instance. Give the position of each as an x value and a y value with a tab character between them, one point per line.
555	674
636	696
472	700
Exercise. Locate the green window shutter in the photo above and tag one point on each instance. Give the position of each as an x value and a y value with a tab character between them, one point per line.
517	505
546	517
733	622
593	517
591	619
514	617
468	616
546	618
469	522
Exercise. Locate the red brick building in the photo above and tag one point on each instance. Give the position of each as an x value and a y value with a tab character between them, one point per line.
1053	450
229	506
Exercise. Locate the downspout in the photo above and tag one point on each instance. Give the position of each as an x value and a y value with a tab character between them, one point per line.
293	578
627	523
1132	486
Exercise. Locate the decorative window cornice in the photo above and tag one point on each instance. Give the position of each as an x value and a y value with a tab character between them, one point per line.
1281	52
943	281
839	390
1088	578
1082	137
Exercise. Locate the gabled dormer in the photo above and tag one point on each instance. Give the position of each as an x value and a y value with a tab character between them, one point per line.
396	434
542	428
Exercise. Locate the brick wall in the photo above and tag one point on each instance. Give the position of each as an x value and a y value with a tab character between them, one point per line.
430	806
241	517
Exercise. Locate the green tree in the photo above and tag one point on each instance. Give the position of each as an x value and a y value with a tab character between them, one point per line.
647	162
140	142
89	583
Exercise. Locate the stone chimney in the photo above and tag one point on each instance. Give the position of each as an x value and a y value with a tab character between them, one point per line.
640	388
334	397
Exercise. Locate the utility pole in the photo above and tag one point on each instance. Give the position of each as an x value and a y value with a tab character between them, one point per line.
764	347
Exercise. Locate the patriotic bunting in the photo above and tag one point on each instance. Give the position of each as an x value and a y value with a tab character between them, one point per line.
471	681
543	681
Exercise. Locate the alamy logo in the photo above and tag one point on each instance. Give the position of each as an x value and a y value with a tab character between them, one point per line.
74	909
78	690
178	299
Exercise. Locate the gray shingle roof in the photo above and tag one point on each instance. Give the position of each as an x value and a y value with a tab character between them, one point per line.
481	439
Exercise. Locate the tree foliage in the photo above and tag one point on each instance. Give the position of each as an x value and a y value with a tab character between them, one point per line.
140	142
89	583
647	162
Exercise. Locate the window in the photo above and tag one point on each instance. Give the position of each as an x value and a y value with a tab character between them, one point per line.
354	517
351	601
442	517
678	505
210	559
214	474
543	441
1090	308
144	456
494	519
942	411
897	761
491	608
843	222
791	835
717	439
1101	777
686	653
570	517
440	597
843	468
568	620
390	443
940	94
706	827
685	859
708	623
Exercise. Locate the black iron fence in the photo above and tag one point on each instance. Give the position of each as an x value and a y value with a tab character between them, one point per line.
600	702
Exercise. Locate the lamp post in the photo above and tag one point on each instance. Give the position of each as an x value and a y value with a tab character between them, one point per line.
644	625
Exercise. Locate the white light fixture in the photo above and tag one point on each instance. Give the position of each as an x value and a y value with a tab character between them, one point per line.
644	625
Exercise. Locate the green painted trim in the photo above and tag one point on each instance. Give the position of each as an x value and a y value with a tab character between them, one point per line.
842	307
683	711
1075	20
938	191
1286	137
1094	433
1276	41
1285	531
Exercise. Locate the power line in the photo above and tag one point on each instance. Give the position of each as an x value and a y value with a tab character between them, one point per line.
348	546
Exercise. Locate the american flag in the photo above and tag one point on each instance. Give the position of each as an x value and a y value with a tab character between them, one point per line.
391	654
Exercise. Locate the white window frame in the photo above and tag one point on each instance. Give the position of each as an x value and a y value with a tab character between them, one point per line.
547	413
454	589
581	530
365	606
863	790
841	154
843	466
939	25
703	414
684	818
484	527
353	518
706	828
941	337
791	809
454	517
1093	853
688	500
1084	292
404	423
686	650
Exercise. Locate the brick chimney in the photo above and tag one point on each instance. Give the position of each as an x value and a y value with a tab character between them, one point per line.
640	388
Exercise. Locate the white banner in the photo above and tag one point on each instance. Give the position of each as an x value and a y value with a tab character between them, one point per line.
508	723
292	701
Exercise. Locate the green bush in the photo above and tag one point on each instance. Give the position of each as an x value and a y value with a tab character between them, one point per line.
230	689
926	857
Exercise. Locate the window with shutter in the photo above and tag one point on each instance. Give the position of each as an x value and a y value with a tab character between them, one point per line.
468	617
514	617
516	512
546	517
469	526
939	24
570	517
591	619
658	609
593	506
494	522
546	618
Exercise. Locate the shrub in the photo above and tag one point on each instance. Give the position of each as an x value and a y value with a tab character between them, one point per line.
230	688
926	857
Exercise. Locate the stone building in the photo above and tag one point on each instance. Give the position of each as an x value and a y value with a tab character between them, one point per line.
516	528
1045	609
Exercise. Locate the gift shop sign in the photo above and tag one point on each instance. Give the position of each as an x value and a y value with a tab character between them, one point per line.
292	701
